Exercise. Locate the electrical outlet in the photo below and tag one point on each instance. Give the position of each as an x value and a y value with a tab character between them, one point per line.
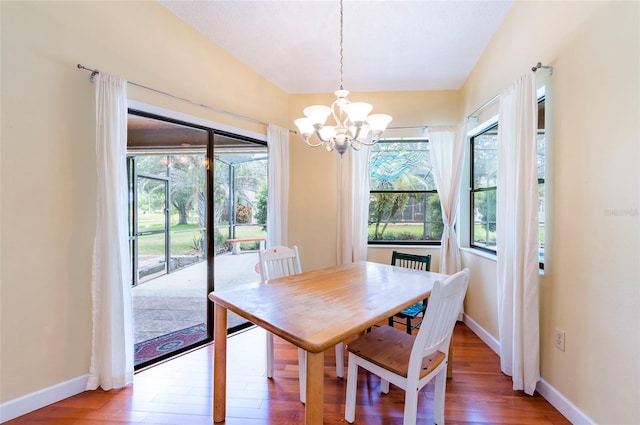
559	339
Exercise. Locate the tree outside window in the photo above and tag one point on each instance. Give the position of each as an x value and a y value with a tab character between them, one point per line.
404	205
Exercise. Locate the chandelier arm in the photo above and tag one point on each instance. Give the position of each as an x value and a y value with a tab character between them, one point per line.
314	145
368	144
319	136
335	106
355	136
374	140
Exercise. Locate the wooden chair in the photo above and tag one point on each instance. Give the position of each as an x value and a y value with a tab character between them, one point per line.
411	362
281	261
417	262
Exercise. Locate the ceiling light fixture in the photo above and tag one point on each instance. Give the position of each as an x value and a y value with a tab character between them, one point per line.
353	125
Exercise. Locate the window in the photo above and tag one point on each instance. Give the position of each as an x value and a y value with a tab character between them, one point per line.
404	206
484	174
541	139
484	180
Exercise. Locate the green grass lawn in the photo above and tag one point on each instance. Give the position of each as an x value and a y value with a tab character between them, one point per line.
181	243
182	236
404	231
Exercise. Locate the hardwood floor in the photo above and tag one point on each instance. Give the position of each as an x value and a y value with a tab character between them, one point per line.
178	392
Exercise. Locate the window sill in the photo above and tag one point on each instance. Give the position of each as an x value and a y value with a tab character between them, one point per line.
395	246
489	256
480	253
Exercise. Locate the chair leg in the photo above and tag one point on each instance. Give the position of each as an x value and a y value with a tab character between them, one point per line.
409	325
391	321
269	355
438	396
302	374
340	360
384	386
352	386
410	407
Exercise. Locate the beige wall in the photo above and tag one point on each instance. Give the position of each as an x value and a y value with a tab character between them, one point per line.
590	288
48	158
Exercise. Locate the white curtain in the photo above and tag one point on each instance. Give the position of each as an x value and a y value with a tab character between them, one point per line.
353	206
447	155
517	229
278	183
112	347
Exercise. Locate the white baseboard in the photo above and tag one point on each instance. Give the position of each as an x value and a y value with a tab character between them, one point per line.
564	406
485	336
547	391
30	402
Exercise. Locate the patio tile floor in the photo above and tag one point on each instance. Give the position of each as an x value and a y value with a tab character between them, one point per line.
179	300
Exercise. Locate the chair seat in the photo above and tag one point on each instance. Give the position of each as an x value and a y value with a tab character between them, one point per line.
411	311
390	349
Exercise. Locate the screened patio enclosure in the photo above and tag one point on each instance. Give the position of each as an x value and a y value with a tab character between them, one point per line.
240	197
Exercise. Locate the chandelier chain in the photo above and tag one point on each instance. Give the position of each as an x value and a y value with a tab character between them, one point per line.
354	126
341	48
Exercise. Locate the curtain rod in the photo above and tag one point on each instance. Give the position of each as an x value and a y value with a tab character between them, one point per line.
494	98
540	66
94	72
474	114
409	127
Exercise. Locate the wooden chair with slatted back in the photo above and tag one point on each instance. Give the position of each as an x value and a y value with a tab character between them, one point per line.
416	311
281	261
410	362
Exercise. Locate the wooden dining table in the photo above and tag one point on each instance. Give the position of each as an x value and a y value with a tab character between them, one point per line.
315	310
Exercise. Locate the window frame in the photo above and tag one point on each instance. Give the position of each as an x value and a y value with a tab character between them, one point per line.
493	125
425	193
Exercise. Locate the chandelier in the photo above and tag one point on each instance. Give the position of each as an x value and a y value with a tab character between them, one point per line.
353	126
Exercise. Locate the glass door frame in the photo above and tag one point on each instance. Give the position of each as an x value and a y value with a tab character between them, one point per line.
134	232
171	149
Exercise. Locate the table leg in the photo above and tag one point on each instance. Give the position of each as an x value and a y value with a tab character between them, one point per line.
219	363
315	389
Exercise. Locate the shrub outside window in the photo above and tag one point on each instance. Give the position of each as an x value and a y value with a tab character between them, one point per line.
404	205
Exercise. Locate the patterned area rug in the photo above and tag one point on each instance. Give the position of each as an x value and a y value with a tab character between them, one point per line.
165	344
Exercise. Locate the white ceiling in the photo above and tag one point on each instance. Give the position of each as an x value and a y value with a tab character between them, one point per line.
389	45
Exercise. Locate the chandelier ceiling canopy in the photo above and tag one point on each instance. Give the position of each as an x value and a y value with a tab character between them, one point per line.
353	126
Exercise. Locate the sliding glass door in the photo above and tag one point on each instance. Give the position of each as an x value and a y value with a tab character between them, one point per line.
193	191
169	234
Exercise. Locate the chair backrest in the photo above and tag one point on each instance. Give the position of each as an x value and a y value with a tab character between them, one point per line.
440	318
279	261
411	261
